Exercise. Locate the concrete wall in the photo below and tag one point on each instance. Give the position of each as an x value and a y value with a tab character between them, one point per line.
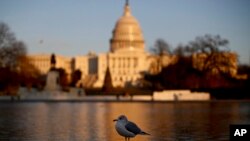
182	95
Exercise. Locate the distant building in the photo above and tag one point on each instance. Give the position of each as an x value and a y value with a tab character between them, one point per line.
126	58
43	64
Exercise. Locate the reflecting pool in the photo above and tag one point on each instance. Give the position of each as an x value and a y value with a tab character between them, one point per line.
93	121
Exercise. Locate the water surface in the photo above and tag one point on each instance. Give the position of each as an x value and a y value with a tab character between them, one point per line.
90	121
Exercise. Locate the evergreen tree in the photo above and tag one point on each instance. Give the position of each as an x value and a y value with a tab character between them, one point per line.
107	85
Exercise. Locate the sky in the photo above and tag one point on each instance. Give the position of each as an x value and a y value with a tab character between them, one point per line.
75	27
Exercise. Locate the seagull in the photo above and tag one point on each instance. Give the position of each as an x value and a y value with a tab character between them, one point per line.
127	128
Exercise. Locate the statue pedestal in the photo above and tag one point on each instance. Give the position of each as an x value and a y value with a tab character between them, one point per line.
52	81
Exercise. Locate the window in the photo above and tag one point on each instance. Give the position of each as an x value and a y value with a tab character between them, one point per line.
135	62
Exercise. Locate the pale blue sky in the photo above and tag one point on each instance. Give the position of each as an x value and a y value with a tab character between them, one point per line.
75	27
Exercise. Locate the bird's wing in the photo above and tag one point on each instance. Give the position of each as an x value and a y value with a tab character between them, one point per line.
132	127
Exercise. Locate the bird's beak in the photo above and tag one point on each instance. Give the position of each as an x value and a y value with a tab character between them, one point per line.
114	120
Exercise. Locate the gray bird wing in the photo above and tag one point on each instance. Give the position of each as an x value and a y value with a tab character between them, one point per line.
132	127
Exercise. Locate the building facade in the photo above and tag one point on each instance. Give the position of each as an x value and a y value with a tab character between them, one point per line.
43	64
126	58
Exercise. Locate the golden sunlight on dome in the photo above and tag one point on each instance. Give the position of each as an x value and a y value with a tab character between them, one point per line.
127	34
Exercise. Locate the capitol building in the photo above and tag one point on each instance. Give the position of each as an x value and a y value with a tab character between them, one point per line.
126	59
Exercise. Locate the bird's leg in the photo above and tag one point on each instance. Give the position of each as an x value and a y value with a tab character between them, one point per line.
128	138
125	138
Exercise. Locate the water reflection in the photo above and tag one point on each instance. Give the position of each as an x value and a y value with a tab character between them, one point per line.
93	121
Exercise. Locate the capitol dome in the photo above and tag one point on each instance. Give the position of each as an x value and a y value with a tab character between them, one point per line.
127	34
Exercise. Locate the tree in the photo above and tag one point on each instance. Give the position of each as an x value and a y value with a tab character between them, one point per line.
75	77
160	49
63	79
11	50
184	50
107	85
180	75
7	38
213	57
15	69
216	52
212	49
29	75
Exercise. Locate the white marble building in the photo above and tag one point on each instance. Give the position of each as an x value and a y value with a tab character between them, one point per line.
126	58
42	62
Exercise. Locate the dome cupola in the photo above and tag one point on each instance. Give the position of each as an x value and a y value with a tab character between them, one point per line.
127	34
